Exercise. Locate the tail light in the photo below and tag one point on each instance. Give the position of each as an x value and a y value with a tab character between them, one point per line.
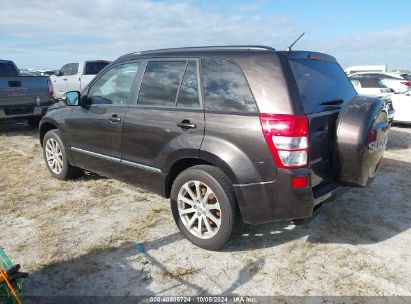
372	135
406	83
51	90
287	139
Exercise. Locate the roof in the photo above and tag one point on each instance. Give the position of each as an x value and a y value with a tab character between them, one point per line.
199	50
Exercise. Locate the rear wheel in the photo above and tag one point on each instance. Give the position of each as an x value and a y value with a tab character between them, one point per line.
204	207
56	158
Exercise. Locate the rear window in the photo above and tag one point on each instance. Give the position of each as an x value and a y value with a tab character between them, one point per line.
8	70
225	87
93	68
319	82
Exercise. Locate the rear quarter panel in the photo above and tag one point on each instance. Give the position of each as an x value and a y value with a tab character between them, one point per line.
237	140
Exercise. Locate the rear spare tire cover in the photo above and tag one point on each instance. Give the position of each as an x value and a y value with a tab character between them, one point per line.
362	133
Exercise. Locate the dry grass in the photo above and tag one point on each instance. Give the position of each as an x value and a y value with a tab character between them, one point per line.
178	272
70	232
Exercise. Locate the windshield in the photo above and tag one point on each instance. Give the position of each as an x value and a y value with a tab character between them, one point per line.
319	82
93	68
8	70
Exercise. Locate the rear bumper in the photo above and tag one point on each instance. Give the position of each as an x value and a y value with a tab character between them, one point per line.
277	200
29	110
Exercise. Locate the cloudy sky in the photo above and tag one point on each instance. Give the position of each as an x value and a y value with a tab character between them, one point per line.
47	34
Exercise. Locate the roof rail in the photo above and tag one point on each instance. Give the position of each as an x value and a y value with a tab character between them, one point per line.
210	48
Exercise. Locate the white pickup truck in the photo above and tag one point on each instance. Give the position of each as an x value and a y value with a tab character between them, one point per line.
75	76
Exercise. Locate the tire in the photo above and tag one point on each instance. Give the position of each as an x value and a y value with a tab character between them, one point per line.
206	178
361	138
53	147
33	122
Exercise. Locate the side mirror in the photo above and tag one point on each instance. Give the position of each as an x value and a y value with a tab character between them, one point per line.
59	73
72	98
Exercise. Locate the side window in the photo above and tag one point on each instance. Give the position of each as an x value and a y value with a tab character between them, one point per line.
66	69
74	69
225	86
114	86
356	83
160	82
188	94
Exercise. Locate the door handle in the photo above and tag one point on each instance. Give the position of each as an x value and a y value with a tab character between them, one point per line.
65	79
186	124
114	119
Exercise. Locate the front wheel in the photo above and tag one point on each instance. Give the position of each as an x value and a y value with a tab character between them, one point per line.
56	158
204	207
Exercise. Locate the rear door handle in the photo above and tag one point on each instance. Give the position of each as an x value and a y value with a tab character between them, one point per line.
186	124
114	118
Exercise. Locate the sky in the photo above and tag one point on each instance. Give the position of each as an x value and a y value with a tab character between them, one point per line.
48	34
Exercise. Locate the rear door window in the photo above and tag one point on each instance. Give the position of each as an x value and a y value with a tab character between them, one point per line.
8	70
94	67
225	87
320	81
160	83
188	96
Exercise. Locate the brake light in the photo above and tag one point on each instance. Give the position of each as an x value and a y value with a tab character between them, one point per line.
406	83
287	139
51	90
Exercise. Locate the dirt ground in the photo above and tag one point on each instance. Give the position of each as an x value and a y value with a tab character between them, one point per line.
98	236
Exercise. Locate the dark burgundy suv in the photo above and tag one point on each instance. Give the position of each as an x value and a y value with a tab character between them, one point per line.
230	134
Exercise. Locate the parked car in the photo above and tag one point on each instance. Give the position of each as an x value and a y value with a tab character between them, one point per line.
406	76
402	105
393	81
23	97
75	76
369	86
375	88
229	134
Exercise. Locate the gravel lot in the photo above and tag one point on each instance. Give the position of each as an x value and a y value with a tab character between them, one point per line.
98	236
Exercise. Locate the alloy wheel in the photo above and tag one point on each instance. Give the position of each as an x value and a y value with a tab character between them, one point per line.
199	209
54	156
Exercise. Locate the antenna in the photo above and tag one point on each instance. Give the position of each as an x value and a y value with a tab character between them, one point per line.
292	44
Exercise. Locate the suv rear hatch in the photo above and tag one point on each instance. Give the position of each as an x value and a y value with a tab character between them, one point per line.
324	89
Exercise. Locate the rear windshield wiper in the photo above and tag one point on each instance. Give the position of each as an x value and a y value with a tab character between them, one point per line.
332	102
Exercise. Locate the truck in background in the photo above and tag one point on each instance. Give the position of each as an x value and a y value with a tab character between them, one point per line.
75	76
365	68
23	97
